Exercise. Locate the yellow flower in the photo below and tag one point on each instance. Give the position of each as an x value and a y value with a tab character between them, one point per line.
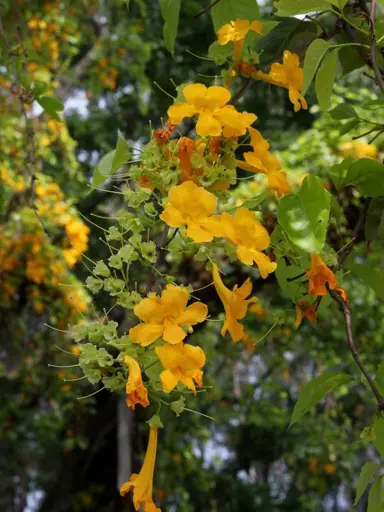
250	238
261	160
142	483
182	363
236	31
290	75
320	275
163	316
136	391
208	104
358	149
192	206
235	123
235	304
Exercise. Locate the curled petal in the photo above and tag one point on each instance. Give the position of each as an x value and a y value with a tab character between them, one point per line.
168	380
194	314
145	334
173	217
177	112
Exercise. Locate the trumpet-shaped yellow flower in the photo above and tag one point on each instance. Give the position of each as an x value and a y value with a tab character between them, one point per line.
192	206
142	483
208	104
136	391
236	31
261	160
235	123
250	239
163	316
290	75
182	363
319	275
235	304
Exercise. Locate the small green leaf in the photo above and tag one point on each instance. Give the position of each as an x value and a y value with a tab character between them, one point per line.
93	284
367	472
315	390
368	176
170	11
325	79
312	60
178	406
304	216
111	162
229	10
343	111
101	269
372	277
251	204
155	421
375	496
374	224
51	105
348	126
293	7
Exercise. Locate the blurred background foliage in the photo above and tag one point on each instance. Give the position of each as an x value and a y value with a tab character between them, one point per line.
109	66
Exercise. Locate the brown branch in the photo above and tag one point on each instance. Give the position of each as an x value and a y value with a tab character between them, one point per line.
352	347
375	67
206	9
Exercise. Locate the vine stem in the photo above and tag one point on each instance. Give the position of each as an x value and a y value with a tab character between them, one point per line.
376	69
206	9
352	347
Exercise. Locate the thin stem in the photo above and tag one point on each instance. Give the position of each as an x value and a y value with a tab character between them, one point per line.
352	347
206	9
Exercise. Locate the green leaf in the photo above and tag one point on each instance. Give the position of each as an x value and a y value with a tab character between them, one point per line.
325	79
343	111
101	269
312	60
283	272
378	429
251	204
155	421
348	126
374	224
315	390
51	105
93	284
170	10
367	472
111	162
220	53
372	277
375	496
273	44
229	10
380	377
339	3
178	406
293	7
368	176
304	216
339	172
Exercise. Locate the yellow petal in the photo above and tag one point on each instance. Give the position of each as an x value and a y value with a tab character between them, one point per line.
194	357
223	292
149	310
277	181
197	233
266	266
194	314
173	217
145	334
173	333
256	26
235	328
207	125
177	112
168	380
188	382
225	34
174	300
217	96
253	160
213	225
194	93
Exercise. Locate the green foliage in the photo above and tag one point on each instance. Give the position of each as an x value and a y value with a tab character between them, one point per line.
304	216
367	472
111	162
170	10
226	11
372	277
51	105
325	79
293	7
368	176
313	58
375	496
315	390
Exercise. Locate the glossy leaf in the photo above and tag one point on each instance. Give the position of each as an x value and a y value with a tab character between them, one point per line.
170	10
367	472
368	176
312	60
343	111
229	10
315	390
304	216
325	79
293	7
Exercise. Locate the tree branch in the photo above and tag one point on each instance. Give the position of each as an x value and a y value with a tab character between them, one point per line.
206	9
352	347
